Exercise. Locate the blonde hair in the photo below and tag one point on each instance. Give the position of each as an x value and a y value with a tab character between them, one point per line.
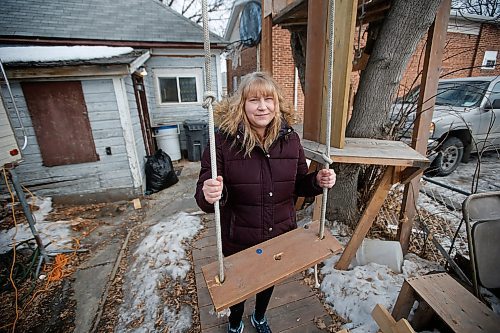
230	112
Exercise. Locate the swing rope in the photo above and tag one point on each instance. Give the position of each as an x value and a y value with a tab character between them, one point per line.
329	93
208	99
329	101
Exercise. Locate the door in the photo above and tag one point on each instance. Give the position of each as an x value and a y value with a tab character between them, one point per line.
142	108
60	120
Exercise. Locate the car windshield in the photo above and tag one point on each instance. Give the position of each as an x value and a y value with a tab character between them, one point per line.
453	93
461	93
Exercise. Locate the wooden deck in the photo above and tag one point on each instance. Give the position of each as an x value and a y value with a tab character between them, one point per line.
293	307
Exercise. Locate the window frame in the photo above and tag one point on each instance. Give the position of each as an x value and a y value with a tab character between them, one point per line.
489	56
166	73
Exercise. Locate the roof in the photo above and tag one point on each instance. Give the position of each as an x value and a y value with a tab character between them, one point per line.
126	56
124	61
108	20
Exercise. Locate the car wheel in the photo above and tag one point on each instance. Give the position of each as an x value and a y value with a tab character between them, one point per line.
449	156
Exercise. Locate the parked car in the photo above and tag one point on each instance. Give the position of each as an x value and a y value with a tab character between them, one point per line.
466	119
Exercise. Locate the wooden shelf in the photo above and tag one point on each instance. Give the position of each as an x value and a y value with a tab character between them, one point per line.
368	151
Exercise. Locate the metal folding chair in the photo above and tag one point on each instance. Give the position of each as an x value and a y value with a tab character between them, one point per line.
482	221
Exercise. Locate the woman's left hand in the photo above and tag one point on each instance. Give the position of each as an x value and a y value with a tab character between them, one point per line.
326	178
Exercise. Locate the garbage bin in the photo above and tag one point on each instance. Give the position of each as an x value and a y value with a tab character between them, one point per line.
197	138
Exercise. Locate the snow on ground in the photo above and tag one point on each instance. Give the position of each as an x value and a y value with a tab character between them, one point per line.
58	234
59	53
160	253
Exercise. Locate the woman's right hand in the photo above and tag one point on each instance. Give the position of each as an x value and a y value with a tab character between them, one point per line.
212	189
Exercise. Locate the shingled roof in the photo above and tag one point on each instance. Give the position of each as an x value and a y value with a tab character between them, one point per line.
140	21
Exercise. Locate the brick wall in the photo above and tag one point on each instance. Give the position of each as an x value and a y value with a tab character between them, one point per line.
283	67
463	57
248	65
489	41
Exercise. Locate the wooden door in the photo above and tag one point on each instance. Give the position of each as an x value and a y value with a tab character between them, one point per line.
60	121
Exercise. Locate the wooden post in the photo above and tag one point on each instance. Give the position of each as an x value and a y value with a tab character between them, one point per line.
266	42
404	303
318	47
436	38
345	26
317	14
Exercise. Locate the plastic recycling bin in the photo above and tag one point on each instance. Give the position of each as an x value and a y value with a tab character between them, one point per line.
197	138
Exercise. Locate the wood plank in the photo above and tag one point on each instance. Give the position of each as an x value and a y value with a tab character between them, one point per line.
368	151
383	319
366	221
67	71
409	173
283	294
403	326
318	201
298	249
404	302
454	304
436	38
345	25
316	35
266	45
310	326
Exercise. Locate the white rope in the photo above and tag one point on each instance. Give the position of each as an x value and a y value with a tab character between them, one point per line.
209	97
329	93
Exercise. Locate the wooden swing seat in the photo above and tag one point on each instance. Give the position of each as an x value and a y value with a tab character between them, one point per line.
264	265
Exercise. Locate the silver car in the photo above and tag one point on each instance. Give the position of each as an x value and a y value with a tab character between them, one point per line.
466	119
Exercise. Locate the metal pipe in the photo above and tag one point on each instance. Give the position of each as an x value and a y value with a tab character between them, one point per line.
27	213
430	180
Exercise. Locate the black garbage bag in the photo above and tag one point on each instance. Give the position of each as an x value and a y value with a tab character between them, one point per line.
160	172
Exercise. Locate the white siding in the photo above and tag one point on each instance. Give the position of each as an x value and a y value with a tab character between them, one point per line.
7	138
178	113
110	174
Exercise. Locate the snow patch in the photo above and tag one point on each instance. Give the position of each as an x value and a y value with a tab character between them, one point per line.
59	53
161	252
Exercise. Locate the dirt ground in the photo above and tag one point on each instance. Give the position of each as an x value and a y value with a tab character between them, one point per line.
48	305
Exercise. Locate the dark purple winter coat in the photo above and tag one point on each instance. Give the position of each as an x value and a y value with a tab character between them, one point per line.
259	190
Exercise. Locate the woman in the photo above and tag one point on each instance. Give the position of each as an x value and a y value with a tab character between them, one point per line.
261	170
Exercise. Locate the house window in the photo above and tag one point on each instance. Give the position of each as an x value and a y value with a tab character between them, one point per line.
489	60
179	86
59	116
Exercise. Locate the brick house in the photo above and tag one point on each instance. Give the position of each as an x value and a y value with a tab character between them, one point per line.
472	47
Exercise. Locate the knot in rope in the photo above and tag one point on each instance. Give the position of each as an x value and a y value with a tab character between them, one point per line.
327	159
208	98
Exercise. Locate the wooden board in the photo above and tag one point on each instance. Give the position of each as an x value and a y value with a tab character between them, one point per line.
345	26
368	151
456	306
247	272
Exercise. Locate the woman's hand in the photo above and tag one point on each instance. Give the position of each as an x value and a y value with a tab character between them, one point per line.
326	178
212	189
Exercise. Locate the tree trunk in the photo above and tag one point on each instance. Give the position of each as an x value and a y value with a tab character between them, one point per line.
298	42
402	29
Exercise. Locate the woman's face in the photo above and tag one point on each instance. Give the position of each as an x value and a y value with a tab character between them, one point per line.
260	111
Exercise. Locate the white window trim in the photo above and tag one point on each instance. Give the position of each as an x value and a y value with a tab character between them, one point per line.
489	55
195	72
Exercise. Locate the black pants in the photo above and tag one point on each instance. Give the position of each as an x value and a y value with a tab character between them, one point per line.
261	301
